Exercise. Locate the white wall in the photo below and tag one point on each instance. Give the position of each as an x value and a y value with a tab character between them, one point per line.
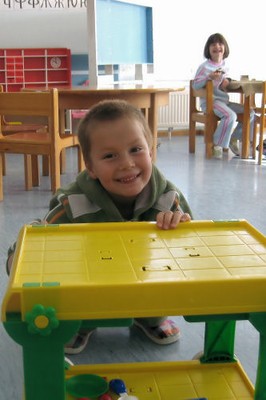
180	32
182	28
67	28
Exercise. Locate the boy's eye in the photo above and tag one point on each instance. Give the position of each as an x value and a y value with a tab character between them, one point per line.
108	156
135	149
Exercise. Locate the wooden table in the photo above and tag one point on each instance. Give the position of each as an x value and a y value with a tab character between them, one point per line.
147	98
248	88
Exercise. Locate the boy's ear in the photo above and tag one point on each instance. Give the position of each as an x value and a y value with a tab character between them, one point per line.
91	172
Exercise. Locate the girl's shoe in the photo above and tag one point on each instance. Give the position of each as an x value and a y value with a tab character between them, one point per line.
233	146
217	152
263	148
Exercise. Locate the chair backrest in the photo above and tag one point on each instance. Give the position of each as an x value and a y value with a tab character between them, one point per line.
32	104
33	143
196	94
208	118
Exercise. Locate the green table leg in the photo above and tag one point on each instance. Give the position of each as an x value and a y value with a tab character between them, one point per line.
43	358
219	341
258	320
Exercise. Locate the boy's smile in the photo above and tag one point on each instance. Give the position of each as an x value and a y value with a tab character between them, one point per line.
120	157
128	179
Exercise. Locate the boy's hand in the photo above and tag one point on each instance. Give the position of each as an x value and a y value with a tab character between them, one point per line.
170	219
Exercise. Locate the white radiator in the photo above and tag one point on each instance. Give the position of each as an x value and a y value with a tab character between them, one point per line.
175	114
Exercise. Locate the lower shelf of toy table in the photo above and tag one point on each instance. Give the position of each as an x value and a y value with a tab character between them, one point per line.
180	380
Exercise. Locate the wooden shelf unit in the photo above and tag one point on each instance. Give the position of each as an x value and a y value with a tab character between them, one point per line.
34	67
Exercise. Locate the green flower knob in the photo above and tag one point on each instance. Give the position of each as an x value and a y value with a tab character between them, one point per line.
41	320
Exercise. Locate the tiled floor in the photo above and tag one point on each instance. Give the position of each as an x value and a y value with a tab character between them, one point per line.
227	189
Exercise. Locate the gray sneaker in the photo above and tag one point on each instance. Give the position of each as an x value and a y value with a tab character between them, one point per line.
217	152
234	147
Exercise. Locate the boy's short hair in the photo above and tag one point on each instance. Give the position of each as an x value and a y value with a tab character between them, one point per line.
216	38
109	110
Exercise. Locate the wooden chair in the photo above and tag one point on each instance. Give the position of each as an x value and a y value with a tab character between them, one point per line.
208	118
13	125
260	120
28	143
9	128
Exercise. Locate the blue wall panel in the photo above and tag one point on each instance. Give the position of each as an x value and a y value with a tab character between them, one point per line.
124	33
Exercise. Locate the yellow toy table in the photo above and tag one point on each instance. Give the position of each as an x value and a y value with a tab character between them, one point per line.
108	273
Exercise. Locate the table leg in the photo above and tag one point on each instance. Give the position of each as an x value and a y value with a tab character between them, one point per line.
28	171
246	128
35	170
43	359
258	320
45	165
219	341
153	119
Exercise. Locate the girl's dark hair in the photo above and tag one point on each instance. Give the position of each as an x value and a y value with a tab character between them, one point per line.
109	110
216	38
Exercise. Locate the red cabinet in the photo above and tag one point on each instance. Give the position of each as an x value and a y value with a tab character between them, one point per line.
33	68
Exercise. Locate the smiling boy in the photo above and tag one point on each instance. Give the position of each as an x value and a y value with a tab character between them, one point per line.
120	183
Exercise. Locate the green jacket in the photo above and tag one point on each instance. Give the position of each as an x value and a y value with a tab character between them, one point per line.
85	200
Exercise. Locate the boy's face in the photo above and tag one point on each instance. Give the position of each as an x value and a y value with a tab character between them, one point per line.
120	157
